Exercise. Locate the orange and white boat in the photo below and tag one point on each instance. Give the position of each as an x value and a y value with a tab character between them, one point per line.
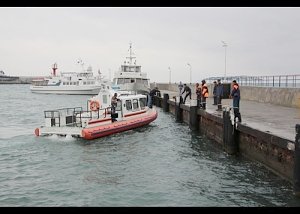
97	121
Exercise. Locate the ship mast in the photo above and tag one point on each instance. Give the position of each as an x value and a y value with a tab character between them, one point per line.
130	54
54	69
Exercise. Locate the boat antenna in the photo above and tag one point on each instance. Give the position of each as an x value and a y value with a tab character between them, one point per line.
81	63
130	54
54	69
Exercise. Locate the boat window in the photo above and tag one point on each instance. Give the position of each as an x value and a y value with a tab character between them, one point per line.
84	83
135	104
128	105
119	105
77	82
126	80
132	81
143	102
120	81
104	98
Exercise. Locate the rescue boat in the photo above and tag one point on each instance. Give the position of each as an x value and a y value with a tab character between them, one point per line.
98	121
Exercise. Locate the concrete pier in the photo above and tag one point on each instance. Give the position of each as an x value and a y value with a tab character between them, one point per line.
266	134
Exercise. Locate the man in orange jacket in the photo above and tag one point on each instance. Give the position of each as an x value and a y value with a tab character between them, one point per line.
204	94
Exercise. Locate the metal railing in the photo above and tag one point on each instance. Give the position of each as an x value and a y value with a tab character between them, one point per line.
279	81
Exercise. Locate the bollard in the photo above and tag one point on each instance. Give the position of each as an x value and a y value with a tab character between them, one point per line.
165	103
155	100
229	134
194	119
178	110
297	162
159	101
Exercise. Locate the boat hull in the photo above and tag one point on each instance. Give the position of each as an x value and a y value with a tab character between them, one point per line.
65	90
116	127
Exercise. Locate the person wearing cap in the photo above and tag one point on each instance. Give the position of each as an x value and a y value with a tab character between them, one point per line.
235	94
204	94
153	92
214	93
219	94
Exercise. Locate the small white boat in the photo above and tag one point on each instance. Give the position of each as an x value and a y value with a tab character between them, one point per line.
130	76
69	83
97	121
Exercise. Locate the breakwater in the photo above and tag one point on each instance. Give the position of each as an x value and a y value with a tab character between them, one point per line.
274	152
21	80
288	97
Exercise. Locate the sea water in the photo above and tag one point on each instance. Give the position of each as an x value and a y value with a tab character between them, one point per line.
161	164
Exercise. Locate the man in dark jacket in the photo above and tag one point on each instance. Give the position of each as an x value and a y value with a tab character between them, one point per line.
219	94
188	92
235	94
151	94
215	93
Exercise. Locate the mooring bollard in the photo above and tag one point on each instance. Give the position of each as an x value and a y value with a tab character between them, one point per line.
194	119
165	103
158	102
155	100
297	162
178	110
229	132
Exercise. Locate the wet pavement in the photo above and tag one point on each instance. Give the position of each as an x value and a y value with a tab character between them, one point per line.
274	119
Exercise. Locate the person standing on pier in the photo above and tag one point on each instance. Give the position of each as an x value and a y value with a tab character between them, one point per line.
235	95
215	93
204	94
198	93
219	94
180	87
188	91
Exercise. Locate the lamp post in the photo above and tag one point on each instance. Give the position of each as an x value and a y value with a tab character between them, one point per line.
169	75
190	73
225	46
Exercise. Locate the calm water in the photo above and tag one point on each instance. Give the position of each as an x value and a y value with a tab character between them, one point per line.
162	164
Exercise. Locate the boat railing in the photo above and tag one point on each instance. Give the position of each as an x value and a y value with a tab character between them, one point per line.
100	113
61	117
275	81
73	116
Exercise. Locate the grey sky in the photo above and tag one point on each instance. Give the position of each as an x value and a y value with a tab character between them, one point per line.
261	41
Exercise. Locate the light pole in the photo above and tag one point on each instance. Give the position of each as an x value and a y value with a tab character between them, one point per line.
169	75
190	73
225	46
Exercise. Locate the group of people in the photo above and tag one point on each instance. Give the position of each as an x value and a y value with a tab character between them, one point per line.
201	92
218	94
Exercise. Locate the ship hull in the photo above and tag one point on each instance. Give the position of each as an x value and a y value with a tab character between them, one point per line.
65	90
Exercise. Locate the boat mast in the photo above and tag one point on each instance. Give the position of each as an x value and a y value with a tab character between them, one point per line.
130	54
54	69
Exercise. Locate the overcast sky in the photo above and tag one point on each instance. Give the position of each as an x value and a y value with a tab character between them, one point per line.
261	41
